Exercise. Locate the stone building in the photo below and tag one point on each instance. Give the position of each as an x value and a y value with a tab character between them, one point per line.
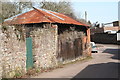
41	39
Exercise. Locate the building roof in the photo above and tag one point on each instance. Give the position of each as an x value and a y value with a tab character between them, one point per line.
115	21
40	16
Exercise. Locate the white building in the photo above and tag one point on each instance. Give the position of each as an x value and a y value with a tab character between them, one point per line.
118	35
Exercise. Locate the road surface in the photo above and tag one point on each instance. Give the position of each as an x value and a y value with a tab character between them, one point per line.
103	65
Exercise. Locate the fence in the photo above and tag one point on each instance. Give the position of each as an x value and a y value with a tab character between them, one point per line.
104	38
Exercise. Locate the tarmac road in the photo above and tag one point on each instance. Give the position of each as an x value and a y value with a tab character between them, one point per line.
103	65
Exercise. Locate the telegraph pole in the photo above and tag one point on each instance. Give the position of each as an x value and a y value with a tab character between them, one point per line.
118	10
86	16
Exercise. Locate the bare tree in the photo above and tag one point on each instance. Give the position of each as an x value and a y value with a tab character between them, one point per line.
8	9
12	8
23	5
61	7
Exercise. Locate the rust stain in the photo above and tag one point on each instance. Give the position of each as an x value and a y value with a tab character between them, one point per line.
42	15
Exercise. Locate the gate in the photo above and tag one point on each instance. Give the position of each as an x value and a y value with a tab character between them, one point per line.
29	55
69	50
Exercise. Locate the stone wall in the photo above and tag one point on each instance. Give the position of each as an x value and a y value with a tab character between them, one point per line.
13	48
49	46
12	52
44	38
1	51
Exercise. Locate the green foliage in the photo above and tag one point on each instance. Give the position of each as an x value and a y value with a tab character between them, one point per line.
37	70
17	75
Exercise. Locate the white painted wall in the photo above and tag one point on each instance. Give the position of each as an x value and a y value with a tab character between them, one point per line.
118	36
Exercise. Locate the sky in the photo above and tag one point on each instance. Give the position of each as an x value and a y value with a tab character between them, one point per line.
103	12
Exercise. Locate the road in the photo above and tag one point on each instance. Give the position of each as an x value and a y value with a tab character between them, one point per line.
103	65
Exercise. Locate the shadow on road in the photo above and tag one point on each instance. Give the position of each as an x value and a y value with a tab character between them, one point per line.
115	52
104	70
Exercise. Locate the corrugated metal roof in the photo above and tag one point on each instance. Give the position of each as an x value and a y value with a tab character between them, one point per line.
42	15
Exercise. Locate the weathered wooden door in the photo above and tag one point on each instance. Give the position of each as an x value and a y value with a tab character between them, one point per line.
29	55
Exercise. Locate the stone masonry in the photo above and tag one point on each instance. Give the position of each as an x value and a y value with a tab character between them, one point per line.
13	48
44	46
12	53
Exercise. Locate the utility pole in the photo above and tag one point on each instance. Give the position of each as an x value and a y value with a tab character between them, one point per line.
86	16
118	10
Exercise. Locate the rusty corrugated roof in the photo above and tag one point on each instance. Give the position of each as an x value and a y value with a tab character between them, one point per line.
42	15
